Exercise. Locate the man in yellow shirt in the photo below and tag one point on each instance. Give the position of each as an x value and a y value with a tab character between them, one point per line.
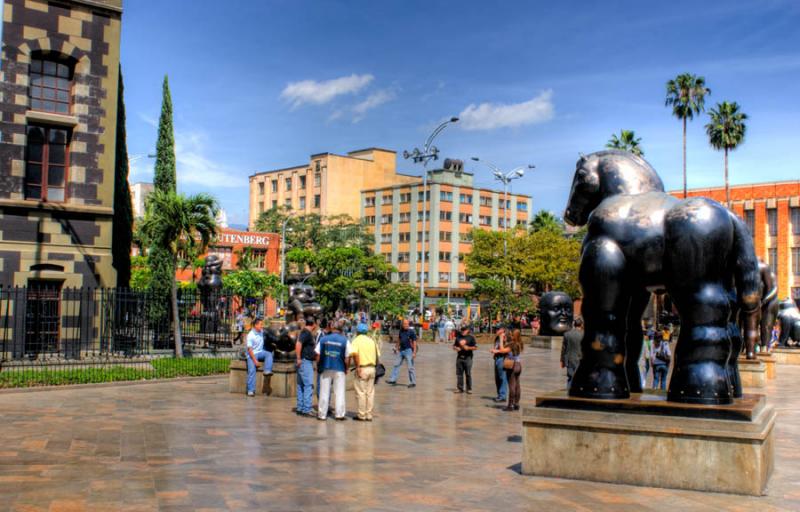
365	353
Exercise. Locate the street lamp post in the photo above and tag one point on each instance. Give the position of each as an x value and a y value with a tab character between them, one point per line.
505	178
428	152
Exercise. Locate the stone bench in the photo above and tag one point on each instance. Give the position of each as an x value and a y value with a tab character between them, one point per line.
237	378
282	383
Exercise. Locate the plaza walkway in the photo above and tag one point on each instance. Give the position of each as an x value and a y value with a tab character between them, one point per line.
191	445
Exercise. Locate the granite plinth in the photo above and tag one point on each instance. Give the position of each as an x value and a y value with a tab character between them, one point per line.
237	378
284	379
648	441
752	372
548	342
786	355
770	362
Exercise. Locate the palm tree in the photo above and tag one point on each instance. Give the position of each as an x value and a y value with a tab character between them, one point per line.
179	224
726	131
545	220
686	94
627	141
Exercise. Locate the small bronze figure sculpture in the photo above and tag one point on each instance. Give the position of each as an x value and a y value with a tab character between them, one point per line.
769	304
210	284
789	318
641	239
301	302
556	314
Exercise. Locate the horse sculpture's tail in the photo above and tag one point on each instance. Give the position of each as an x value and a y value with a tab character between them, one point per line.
748	283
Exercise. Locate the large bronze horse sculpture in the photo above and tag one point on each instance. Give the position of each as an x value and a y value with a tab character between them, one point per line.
641	240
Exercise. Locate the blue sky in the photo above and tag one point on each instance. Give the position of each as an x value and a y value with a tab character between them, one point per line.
258	85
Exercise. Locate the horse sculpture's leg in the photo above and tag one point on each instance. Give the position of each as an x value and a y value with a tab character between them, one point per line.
601	372
634	340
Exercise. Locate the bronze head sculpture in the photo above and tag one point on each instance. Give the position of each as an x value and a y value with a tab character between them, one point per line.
641	239
555	310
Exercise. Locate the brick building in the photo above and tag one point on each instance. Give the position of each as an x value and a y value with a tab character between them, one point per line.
772	213
230	245
58	116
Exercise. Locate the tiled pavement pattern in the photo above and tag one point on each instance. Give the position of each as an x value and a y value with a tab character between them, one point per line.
193	446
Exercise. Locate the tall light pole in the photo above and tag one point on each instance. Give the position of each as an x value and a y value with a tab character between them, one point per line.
505	178
283	256
428	152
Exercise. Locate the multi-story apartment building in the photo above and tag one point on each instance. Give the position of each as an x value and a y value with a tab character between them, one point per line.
139	193
772	213
396	217
59	82
328	184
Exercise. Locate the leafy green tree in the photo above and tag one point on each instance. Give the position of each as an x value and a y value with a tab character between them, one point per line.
163	263
312	231
545	219
141	275
500	298
547	261
252	284
174	223
122	234
686	95
726	131
393	299
626	141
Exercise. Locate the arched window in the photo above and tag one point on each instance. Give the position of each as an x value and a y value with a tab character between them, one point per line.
51	83
47	161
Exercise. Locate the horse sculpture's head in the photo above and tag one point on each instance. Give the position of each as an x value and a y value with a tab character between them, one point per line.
607	173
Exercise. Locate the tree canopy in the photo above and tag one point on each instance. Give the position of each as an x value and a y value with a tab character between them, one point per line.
393	299
313	231
252	284
626	141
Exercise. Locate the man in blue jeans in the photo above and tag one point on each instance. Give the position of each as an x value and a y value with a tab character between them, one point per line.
256	352
407	348
306	356
661	357
500	376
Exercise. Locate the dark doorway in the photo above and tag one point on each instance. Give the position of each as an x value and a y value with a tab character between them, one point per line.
42	317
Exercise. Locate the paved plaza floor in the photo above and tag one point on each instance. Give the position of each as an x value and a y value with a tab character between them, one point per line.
191	445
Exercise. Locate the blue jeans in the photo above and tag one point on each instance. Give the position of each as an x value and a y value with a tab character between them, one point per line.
305	386
500	379
407	355
264	356
660	375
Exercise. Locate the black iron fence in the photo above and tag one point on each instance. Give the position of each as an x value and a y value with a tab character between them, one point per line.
55	335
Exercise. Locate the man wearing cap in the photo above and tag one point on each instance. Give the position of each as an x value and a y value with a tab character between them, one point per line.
465	345
364	352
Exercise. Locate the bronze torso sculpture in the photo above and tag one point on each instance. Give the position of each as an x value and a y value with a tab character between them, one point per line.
639	240
555	311
789	318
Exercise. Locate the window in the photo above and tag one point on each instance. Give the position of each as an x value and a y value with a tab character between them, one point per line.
444	277
427	195
402	276
260	207
427	215
462	277
427	236
223	253
405	197
47	161
274	185
772	221
465	238
303	203
42	316
444	256
796	293
317	200
370	219
794	215
445	215
287	203
386	199
465	198
402	257
316	166
405	216
386	218
445	195
51	85
796	262
261	188
484	220
486	201
258	257
387	257
773	260
274	203
522	206
750	221
288	184
302	182
445	236
427	256
404	237
466	218
424	276
386	238
501	222
369	201
317	179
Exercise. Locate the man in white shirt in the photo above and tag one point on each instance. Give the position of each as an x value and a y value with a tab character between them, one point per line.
256	352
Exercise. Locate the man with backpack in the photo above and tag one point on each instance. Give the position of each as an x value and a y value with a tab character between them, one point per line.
661	357
365	354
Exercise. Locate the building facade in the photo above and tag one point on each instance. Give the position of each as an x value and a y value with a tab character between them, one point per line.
772	213
328	185
59	79
231	245
139	193
397	218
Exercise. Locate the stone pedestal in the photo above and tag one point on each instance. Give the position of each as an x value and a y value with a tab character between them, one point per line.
648	441
237	378
284	379
786	355
770	362
753	372
549	342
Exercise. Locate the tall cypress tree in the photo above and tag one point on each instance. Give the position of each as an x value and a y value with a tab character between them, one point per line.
162	263
122	235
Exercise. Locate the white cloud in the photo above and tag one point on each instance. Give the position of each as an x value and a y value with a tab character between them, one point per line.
321	92
375	99
489	116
